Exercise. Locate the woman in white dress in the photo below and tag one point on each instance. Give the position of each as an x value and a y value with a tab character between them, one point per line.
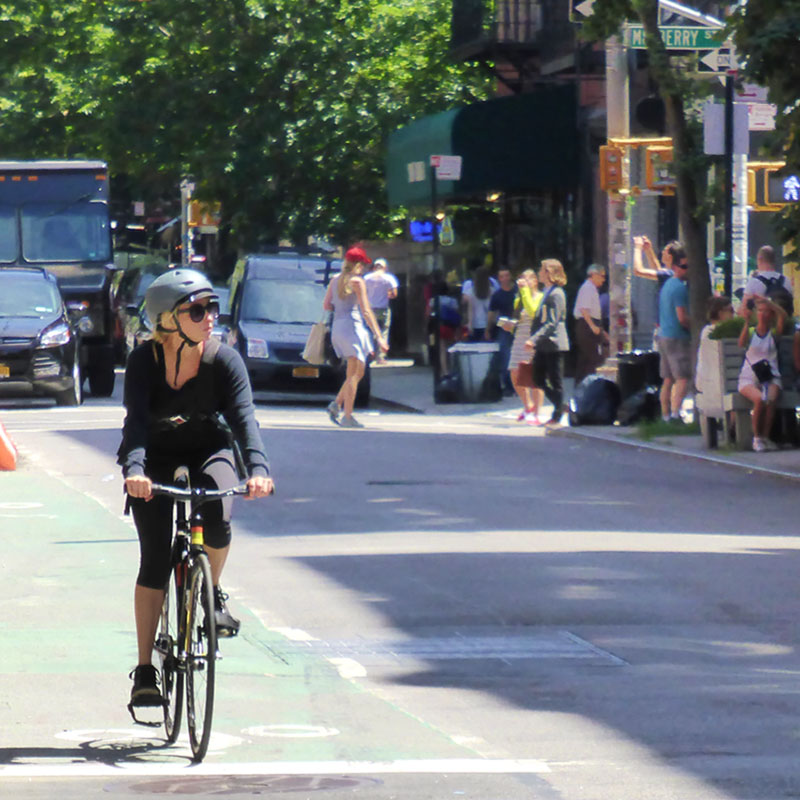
347	298
760	377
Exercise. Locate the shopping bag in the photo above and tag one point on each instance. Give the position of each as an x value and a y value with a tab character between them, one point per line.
314	351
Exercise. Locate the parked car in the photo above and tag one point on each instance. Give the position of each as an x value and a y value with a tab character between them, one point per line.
128	296
39	348
275	301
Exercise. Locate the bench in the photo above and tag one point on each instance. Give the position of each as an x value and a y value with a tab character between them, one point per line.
717	394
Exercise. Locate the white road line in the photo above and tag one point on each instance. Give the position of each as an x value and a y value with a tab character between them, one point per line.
453	766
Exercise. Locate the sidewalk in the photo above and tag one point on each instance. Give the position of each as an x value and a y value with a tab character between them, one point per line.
411	388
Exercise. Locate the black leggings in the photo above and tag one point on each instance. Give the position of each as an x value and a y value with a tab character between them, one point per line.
548	374
154	518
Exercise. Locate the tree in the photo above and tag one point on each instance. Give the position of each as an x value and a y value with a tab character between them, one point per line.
674	88
277	108
767	37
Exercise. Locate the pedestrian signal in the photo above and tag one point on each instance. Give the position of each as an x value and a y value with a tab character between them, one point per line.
610	168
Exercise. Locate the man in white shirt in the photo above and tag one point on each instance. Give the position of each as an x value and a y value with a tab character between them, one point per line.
589	331
381	288
766	273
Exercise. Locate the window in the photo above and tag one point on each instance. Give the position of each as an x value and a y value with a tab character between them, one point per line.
8	235
57	233
282	301
26	297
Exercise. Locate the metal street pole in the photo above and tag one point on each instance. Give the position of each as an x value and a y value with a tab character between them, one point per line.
618	127
437	341
187	187
728	183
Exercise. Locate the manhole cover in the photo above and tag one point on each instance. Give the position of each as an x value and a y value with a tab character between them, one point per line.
222	785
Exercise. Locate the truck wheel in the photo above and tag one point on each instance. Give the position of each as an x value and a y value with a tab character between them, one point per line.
74	395
101	379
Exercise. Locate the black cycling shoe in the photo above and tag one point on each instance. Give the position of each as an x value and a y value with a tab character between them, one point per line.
145	693
227	624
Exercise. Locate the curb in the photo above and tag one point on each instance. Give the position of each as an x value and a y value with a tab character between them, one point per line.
574	433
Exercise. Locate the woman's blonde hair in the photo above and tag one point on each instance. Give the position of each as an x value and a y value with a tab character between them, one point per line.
555	270
528	274
343	287
159	334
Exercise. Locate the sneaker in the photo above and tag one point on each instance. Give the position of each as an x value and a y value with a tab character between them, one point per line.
522	415
334	411
758	445
532	419
770	445
145	691
227	624
350	422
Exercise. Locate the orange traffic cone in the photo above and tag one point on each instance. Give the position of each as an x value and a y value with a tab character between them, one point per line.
8	453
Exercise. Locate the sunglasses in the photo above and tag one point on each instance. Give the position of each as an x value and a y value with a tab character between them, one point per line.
197	311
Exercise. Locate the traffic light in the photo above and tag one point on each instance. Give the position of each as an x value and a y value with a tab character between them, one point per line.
611	179
658	174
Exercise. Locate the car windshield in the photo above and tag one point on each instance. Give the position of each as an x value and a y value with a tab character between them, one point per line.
288	302
8	235
78	232
27	297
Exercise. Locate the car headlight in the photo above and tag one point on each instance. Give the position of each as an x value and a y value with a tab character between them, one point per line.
85	325
56	335
257	348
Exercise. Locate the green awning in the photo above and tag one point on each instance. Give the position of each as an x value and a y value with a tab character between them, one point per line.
521	144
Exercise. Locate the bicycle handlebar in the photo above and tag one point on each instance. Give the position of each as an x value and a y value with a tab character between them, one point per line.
197	493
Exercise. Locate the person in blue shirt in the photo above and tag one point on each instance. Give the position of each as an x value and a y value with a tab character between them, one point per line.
501	306
674	341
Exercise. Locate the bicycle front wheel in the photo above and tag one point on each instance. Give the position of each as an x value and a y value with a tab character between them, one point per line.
202	655
169	641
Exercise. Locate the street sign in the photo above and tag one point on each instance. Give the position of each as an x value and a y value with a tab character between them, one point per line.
583	8
416	171
720	60
448	168
677	37
762	116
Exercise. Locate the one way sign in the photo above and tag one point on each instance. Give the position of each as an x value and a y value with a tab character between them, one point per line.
716	61
582	9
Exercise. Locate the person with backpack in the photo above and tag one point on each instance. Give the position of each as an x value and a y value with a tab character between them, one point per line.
188	402
766	281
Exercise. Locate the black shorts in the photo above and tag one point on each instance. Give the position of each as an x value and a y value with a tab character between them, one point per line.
154	519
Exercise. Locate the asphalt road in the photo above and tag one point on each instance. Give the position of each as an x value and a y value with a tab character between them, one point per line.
433	607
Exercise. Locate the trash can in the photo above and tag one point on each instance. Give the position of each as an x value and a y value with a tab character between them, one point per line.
636	371
477	367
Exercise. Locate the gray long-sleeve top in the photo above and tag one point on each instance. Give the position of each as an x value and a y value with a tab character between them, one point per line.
549	329
221	386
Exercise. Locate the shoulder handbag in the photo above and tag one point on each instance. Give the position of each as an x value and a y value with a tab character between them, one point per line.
314	351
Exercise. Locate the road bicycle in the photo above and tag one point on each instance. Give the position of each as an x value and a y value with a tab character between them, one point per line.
186	640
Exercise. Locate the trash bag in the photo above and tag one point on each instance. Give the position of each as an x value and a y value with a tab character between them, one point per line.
447	389
643	406
594	402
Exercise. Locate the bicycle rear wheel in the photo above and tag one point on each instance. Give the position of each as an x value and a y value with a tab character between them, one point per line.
202	655
168	646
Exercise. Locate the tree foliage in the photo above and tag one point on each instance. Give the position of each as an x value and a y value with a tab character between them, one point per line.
767	37
280	109
677	92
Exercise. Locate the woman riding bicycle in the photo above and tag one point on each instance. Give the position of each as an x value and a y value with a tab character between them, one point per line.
189	403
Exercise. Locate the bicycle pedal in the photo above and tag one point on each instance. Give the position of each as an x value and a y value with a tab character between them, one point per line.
142	719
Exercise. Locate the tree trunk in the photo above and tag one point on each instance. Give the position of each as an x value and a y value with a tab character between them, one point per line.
691	229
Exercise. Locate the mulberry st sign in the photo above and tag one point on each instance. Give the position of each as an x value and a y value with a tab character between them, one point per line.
677	37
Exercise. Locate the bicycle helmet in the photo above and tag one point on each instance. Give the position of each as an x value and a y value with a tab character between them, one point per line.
172	288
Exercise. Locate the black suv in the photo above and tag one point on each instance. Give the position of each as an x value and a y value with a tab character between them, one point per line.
276	298
39	347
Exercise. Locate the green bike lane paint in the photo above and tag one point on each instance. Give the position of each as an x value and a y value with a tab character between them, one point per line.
68	643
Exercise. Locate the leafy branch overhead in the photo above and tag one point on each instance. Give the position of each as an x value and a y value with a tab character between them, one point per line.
278	108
